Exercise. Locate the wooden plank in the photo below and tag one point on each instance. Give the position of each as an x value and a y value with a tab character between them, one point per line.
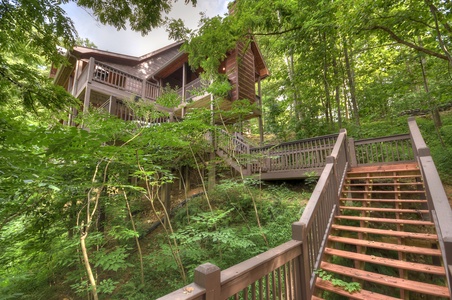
384	177
386	192
383	183
378	209
384	220
316	298
385	200
386	168
394	263
385	246
361	295
402	234
410	285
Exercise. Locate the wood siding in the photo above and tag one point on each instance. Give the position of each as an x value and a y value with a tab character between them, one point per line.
246	72
231	71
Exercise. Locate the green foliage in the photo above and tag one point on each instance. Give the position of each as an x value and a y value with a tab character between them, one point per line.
350	287
169	97
112	260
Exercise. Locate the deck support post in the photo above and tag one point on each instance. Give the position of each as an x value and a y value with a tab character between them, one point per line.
87	98
112	106
260	121
165	194
208	276
302	273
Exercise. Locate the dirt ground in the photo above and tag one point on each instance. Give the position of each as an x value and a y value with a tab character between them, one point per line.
448	189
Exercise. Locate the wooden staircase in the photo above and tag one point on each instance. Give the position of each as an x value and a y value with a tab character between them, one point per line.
383	238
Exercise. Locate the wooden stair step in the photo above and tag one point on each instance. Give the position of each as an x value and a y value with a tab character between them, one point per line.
401	234
380	209
384	200
384	192
385	220
395	263
361	295
384	184
316	298
382	177
385	246
410	285
402	167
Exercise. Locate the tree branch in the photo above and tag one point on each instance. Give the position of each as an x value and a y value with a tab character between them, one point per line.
400	40
279	32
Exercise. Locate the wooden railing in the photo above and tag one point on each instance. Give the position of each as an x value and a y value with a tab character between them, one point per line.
118	79
152	91
283	272
315	223
235	149
303	154
397	148
438	204
190	90
119	109
113	77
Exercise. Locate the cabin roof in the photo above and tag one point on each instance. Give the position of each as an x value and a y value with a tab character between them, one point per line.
158	63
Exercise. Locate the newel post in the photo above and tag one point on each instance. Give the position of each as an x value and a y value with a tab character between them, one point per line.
302	271
208	276
352	152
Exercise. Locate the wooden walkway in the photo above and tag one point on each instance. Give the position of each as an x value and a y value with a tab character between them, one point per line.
384	238
378	216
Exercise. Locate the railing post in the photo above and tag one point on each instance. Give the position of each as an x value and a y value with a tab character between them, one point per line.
302	275
91	65
112	106
143	88
208	277
352	153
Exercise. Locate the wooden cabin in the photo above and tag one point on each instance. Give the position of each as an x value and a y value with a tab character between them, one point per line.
104	79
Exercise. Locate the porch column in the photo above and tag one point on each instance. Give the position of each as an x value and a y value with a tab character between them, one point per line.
211	181
184	81
87	98
260	121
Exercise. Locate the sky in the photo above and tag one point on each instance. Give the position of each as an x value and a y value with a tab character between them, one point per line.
133	43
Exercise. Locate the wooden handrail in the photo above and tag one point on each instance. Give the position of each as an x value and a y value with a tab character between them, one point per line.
315	223
251	275
381	150
438	203
323	137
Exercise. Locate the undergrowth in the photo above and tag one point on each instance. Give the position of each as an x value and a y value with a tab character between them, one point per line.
225	236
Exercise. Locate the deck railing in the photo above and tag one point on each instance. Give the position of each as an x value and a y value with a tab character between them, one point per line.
373	151
315	223
121	80
235	148
119	109
438	204
302	154
190	90
283	272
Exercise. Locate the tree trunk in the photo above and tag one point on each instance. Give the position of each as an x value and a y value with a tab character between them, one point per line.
326	84
351	82
434	109
89	271
336	93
